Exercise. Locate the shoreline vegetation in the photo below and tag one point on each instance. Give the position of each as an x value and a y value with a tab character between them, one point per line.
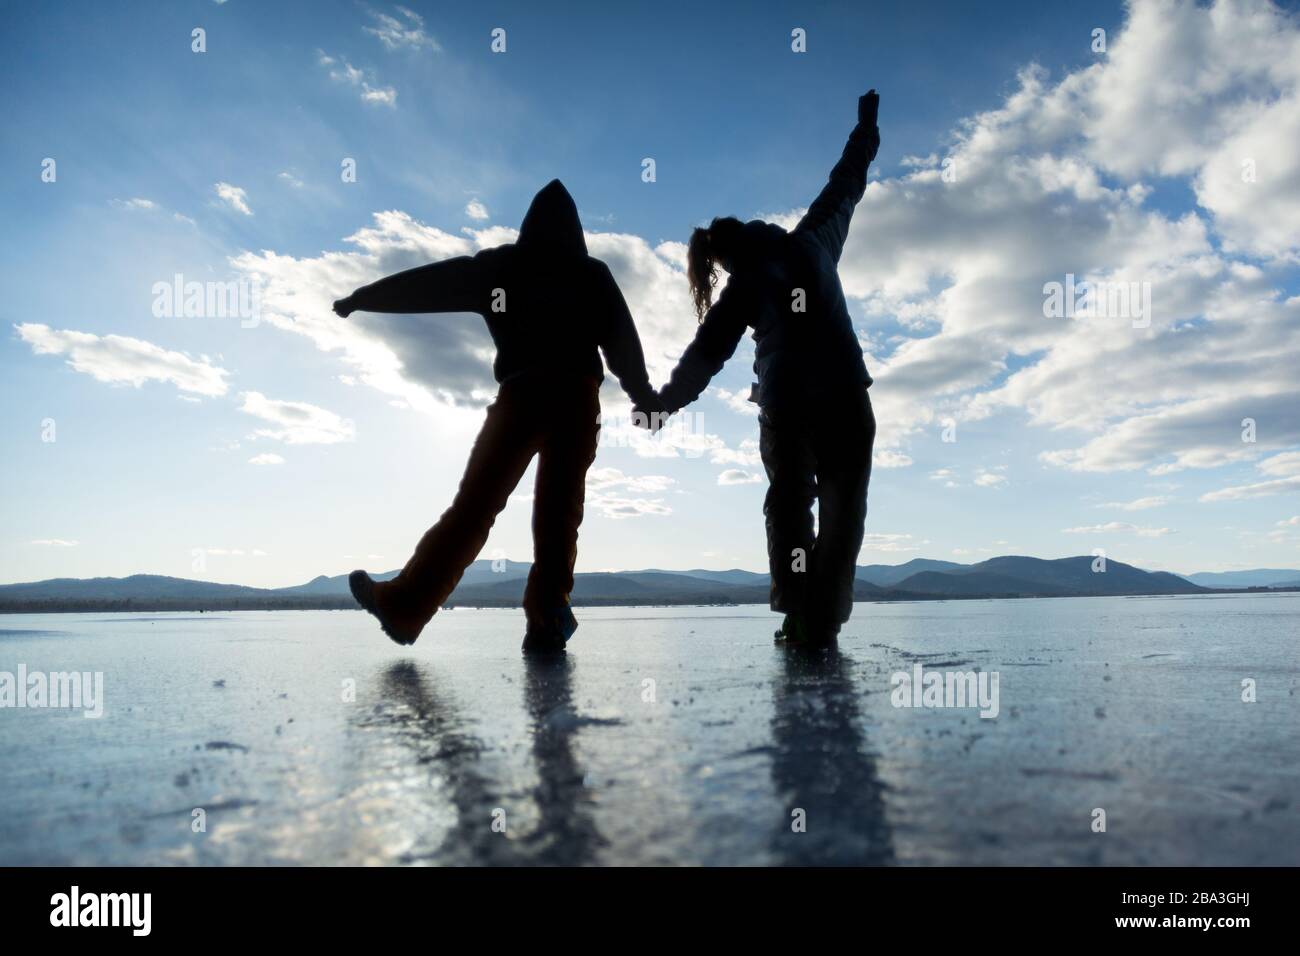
342	604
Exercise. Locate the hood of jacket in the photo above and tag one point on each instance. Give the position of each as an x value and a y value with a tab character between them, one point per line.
551	226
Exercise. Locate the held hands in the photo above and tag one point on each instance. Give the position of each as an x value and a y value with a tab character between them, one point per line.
343	307
868	111
649	413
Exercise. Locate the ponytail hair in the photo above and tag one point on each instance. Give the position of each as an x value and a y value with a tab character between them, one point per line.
702	255
701	271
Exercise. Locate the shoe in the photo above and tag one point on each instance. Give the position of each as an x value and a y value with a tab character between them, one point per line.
366	590
819	634
792	630
550	635
800	631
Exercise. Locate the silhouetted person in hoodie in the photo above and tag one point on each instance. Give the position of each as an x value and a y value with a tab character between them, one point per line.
549	306
816	427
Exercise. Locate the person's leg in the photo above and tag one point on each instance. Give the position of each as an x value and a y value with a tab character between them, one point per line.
843	445
788	461
501	453
568	447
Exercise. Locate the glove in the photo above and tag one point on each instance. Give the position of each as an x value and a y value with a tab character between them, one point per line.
868	111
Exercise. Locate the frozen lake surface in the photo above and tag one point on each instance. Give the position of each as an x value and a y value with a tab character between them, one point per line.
667	736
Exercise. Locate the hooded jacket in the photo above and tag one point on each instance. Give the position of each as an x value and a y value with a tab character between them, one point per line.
548	304
799	355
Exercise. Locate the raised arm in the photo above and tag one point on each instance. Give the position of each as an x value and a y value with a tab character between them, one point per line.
829	216
622	348
453	285
715	342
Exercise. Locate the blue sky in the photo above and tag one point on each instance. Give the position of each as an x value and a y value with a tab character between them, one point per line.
1071	435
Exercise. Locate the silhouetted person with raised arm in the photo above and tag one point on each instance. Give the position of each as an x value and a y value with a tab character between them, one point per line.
816	424
549	307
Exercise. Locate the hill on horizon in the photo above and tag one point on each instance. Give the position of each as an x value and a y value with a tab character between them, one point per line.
500	583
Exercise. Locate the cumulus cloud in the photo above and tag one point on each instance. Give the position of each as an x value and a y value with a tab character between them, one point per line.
135	203
341	71
738	476
234	197
738	401
1057	180
404	31
446	359
268	458
296	423
476	210
745	454
949	270
604	479
945	475
890	459
611	494
985	478
1283	473
121	360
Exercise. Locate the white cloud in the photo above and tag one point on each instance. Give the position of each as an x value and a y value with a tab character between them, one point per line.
341	71
618	507
476	210
233	196
737	476
1056	180
738	401
136	203
604	479
405	31
1138	504
120	360
385	95
267	458
1261	489
889	542
1119	527
54	543
989	479
746	455
289	178
446	359
946	475
601	482
1284	477
1282	466
890	459
297	423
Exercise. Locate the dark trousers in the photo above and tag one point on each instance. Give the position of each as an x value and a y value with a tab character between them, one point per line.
558	422
818	451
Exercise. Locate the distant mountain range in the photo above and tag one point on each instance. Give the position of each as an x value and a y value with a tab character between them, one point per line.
501	584
1259	578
